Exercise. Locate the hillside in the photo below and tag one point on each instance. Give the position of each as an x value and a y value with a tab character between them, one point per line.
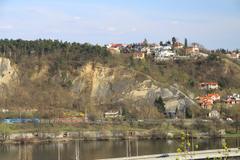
53	77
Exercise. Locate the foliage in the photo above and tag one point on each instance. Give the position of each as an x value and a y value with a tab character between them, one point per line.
213	57
160	104
185	43
16	49
5	128
189	113
191	82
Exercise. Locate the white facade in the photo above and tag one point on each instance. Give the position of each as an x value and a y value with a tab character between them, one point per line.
214	114
112	114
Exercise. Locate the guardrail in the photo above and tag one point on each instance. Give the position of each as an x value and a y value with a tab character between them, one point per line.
194	155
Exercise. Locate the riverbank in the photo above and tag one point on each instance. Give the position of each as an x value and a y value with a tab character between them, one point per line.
49	132
103	135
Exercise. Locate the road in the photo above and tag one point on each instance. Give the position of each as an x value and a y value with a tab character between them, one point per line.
195	155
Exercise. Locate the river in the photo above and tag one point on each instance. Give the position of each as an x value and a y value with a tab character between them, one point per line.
89	150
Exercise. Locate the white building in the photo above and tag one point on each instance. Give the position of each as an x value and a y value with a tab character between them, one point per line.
163	53
112	114
214	114
4	110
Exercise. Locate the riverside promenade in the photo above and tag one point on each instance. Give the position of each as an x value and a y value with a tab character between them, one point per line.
195	155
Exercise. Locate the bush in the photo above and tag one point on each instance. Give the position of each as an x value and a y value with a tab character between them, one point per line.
160	104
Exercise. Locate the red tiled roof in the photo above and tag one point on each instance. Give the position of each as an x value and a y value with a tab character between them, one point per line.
116	45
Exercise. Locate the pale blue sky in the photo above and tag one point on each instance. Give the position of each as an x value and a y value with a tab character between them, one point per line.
213	23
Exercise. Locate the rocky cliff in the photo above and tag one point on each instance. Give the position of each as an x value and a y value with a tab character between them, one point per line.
105	88
119	85
8	75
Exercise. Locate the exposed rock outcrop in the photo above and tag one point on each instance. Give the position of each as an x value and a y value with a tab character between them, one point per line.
8	72
8	76
105	85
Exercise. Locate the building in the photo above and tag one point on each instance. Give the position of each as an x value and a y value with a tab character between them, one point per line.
115	48
233	99
177	45
112	114
112	45
146	50
233	55
208	85
207	101
162	53
214	97
139	55
193	49
214	114
3	110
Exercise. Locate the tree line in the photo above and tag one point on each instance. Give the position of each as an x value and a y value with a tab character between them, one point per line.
15	49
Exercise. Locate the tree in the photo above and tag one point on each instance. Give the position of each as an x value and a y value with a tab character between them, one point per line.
191	82
234	112
168	43
189	113
161	43
237	51
145	42
160	104
213	57
174	40
185	43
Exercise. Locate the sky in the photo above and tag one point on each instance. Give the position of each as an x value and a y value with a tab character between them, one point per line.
212	23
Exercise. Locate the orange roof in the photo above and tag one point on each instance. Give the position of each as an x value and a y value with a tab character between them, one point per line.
213	95
116	45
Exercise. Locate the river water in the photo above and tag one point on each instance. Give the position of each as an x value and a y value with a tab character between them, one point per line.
89	150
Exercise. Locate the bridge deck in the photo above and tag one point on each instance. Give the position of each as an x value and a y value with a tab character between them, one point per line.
195	155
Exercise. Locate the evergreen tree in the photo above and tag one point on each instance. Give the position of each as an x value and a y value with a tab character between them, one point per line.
185	43
174	40
160	105
145	42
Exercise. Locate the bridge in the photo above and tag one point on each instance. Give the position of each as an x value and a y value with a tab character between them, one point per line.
194	155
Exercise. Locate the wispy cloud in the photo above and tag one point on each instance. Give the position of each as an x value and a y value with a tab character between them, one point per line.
77	18
6	27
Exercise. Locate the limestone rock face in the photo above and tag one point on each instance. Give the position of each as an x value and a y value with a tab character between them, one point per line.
145	91
104	85
8	74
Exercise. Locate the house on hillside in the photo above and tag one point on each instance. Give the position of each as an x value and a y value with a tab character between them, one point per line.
112	114
193	49
233	99
208	85
115	48
234	55
207	101
177	45
139	55
214	114
214	97
3	110
146	50
163	53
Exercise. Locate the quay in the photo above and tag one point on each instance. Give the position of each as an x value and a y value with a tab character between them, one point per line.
194	155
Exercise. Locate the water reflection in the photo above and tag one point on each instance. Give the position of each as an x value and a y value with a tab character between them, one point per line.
79	150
